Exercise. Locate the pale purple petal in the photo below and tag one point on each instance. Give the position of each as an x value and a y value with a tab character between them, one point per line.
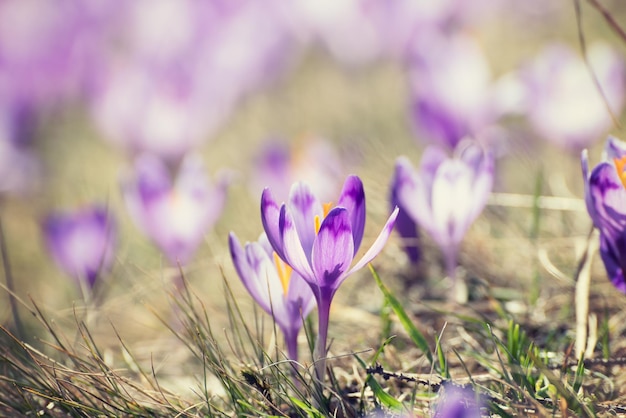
259	276
452	195
245	271
270	213
405	225
304	207
613	253
333	249
353	199
414	193
607	197
613	148
293	251
300	299
378	244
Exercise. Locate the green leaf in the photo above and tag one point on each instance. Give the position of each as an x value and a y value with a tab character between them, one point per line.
416	336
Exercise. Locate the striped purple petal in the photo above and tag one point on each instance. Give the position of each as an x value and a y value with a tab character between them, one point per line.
293	251
353	199
304	207
378	244
270	213
333	249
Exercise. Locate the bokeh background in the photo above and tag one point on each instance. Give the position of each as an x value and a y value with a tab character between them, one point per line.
86	87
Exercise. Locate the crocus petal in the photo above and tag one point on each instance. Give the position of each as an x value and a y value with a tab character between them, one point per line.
451	195
612	251
258	274
304	207
378	244
270	213
414	194
245	271
353	199
613	148
333	249
607	197
293	252
405	225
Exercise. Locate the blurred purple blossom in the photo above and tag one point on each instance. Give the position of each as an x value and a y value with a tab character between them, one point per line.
359	32
452	94
274	286
279	164
605	196
81	242
174	214
147	110
446	194
563	103
321	242
457	402
166	92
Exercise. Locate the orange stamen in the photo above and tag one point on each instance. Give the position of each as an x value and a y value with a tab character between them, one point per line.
318	222
284	272
620	165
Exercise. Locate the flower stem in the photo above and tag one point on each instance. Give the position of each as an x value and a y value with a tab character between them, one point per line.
319	354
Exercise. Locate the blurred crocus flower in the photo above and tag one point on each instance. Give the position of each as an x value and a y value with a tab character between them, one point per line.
174	214
446	194
563	102
457	402
451	89
278	165
81	242
274	286
320	242
605	196
162	111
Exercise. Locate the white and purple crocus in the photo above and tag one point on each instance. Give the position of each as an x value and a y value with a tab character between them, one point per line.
320	243
445	195
274	285
81	242
174	213
605	196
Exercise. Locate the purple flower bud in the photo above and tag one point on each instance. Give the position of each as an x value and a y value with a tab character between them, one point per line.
81	242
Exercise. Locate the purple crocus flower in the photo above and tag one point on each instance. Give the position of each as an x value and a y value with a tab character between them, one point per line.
605	196
563	103
81	242
175	215
457	402
320	243
274	286
446	194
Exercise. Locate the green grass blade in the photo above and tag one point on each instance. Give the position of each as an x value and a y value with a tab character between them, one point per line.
416	336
